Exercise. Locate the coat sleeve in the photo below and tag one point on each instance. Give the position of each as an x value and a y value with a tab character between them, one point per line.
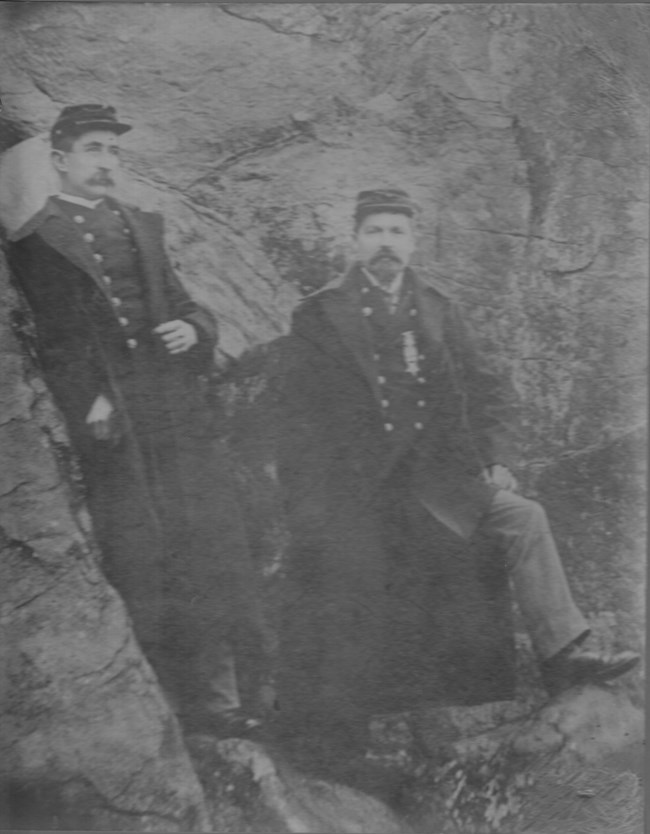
490	400
182	306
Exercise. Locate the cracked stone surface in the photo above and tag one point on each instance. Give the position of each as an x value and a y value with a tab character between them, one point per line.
522	131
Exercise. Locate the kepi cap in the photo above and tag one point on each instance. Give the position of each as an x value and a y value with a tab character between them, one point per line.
80	118
384	199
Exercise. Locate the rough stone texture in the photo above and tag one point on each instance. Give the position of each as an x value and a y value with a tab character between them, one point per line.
521	129
271	796
575	765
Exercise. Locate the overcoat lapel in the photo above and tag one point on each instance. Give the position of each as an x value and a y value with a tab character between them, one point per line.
343	308
61	234
430	310
146	230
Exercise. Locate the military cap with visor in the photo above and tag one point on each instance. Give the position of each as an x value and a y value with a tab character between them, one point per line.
82	118
384	199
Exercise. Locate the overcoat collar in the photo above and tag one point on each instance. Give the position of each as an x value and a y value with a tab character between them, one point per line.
430	302
342	305
147	231
54	226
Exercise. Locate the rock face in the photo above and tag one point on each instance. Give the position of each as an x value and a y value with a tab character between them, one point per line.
522	132
570	766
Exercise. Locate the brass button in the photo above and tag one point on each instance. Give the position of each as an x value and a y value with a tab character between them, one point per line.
419	426
389	426
381	380
106	279
385	403
132	343
117	302
422	403
367	311
89	237
123	321
99	258
79	219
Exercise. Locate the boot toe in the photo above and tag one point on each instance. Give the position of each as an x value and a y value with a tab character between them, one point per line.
578	666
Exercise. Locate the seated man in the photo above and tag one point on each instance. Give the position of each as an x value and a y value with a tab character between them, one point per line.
391	424
122	347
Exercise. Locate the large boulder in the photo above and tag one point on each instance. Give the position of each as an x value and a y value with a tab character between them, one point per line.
574	764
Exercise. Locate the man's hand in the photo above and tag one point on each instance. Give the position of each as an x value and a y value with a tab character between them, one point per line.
98	418
178	335
500	476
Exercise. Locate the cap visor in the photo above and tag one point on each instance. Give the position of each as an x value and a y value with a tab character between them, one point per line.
367	208
93	124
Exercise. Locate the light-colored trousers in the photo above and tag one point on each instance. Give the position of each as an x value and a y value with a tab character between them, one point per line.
521	528
541	589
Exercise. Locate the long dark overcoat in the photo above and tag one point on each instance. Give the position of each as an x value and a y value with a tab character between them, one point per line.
394	596
161	498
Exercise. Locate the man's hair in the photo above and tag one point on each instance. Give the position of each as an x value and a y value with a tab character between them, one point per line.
64	142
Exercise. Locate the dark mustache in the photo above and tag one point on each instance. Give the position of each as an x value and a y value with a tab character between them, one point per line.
101	179
385	253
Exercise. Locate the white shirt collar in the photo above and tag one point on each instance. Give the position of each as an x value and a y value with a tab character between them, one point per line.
79	201
393	289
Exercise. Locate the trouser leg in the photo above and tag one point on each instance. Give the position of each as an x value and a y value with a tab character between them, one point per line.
541	589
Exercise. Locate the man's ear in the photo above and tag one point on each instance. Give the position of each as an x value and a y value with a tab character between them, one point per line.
59	160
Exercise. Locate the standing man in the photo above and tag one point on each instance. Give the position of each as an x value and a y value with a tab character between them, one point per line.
122	347
395	458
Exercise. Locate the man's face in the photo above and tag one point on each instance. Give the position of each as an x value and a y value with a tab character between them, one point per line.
88	169
385	244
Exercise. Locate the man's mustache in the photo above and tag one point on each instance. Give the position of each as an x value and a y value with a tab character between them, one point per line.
385	254
101	179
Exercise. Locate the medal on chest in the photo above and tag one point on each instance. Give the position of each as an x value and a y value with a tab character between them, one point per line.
410	353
